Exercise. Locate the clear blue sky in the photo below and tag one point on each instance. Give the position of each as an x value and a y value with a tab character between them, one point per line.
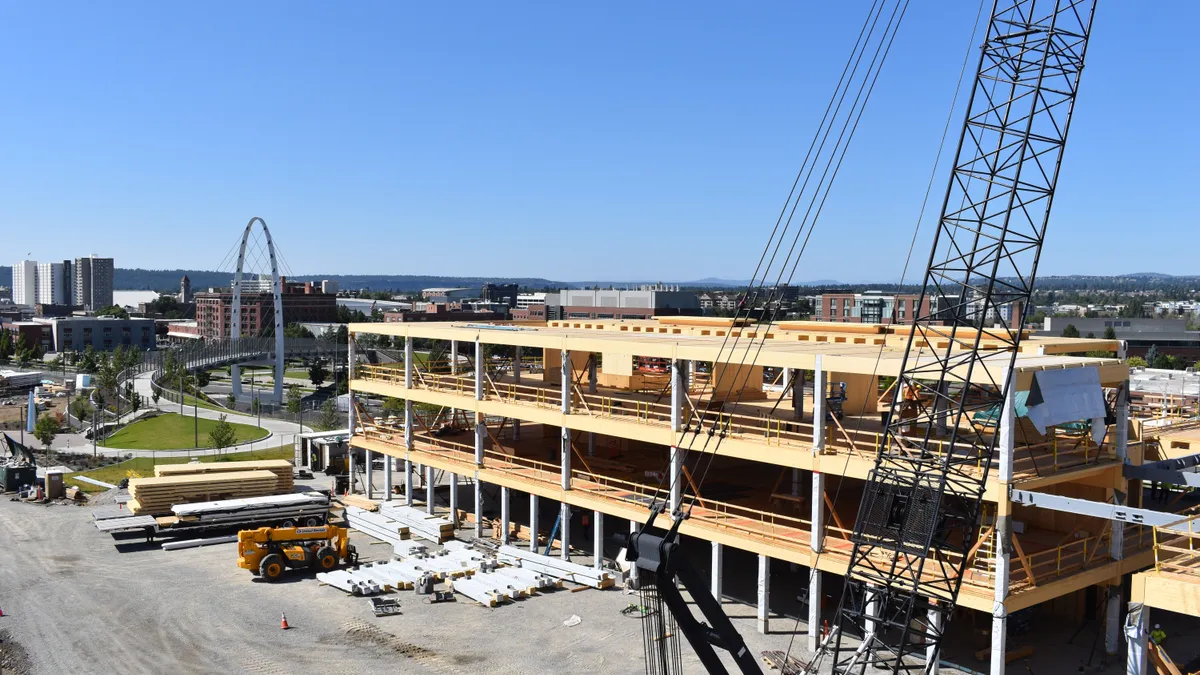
573	141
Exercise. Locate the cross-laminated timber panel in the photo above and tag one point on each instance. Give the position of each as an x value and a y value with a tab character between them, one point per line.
863	359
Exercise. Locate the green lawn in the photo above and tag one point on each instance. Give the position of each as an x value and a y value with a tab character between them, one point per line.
188	402
174	431
144	466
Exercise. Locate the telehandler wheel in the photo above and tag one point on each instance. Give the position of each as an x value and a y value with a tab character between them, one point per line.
313	521
271	567
326	560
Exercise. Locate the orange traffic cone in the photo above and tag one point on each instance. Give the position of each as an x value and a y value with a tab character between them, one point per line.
1	612
283	622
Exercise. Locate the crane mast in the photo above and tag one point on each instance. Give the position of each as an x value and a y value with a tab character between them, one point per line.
920	510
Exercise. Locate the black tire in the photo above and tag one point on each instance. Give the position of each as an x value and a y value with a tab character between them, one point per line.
312	521
326	559
287	523
271	567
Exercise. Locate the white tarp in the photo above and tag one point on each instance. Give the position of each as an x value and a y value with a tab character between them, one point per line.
1069	395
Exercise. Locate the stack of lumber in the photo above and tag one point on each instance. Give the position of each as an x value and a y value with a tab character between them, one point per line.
376	525
156	496
421	524
358	501
555	567
280	467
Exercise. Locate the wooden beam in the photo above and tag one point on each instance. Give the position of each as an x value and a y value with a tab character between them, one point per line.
1024	560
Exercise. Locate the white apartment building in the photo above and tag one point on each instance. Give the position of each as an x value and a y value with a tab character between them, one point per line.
24	287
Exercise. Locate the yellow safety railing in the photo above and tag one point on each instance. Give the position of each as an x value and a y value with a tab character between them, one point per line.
1176	547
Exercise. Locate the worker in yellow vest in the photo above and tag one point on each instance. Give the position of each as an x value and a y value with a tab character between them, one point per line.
1158	635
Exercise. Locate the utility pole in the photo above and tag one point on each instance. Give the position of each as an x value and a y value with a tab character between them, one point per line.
196	409
93	432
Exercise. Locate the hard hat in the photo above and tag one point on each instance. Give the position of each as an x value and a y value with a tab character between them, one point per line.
1157	626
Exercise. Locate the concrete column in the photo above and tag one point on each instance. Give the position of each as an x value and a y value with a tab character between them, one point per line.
478	508
932	657
350	467
678	391
429	490
786	380
454	357
1116	550
480	439
1137	634
565	433
517	365
533	523
408	483
368	474
480	373
943	408
1008	419
717	579
633	570
454	499
814	609
235	380
350	417
564	529
764	594
593	376
597	539
819	384
591	444
872	601
505	515
387	478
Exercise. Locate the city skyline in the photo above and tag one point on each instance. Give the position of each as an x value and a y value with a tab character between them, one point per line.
678	132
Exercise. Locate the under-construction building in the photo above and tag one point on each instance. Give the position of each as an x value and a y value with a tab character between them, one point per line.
565	413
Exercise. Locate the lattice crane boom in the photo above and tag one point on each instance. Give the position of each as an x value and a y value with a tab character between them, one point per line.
920	510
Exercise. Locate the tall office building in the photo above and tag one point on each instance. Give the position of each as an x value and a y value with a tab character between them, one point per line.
24	288
94	282
50	284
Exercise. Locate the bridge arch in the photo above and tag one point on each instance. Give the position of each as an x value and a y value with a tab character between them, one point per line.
277	297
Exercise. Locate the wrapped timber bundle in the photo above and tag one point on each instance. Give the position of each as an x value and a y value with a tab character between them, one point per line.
156	496
280	467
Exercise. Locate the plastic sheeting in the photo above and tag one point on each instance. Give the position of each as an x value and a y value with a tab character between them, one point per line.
1069	395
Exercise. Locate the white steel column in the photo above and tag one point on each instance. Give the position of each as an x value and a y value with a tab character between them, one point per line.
429	489
453	370
871	625
718	571
818	407
633	570
350	468
533	523
478	508
505	515
786	379
932	657
817	543
597	539
814	609
369	475
564	529
676	477
387	477
1008	423
1116	550
764	594
566	433
1137	634
454	499
408	422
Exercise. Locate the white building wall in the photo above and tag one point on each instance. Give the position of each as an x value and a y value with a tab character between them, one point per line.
24	288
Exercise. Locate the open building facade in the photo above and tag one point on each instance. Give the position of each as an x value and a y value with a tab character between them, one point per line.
602	418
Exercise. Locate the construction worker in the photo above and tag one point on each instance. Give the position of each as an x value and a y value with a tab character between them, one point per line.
1158	635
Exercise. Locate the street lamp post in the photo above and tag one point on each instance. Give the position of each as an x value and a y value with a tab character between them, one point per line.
196	409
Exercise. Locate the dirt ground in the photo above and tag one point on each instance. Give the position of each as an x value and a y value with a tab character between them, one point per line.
75	600
11	415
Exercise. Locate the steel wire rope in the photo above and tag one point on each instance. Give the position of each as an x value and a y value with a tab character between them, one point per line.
840	91
834	162
908	260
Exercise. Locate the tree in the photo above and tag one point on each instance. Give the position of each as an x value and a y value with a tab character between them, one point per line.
1152	355
329	418
81	409
294	399
1091	336
114	310
46	429
317	373
1135	362
295	330
230	401
1110	333
393	405
135	401
154	395
6	346
1070	331
90	361
255	406
222	435
203	378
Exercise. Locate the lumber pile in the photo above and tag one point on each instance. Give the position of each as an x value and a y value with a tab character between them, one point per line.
358	501
421	524
156	496
280	467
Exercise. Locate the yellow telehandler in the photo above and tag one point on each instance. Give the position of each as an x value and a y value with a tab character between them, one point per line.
268	551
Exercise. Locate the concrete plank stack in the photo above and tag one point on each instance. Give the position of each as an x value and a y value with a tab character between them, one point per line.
420	523
280	467
376	525
555	567
156	496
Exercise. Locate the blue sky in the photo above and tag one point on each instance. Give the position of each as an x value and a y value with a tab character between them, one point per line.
573	141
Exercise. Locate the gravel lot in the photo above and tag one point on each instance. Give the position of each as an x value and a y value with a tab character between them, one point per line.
75	600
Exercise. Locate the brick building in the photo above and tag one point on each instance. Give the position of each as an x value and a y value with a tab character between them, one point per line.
868	307
302	302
